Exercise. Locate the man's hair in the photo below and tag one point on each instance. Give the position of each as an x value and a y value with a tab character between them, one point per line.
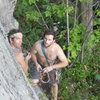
12	32
50	32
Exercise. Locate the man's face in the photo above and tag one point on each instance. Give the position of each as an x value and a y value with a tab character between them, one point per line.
48	40
17	41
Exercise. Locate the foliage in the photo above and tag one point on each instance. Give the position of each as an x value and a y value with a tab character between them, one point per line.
76	36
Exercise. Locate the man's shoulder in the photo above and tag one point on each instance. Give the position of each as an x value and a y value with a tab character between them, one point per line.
37	44
56	45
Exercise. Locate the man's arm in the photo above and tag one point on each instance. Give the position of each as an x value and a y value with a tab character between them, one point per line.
63	62
20	59
27	58
34	57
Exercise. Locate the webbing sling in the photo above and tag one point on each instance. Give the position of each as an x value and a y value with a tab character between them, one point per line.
43	50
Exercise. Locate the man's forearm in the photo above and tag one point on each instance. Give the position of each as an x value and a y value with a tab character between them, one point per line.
60	65
26	62
34	59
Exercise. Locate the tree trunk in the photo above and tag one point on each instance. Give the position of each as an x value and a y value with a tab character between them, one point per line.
67	17
86	18
87	10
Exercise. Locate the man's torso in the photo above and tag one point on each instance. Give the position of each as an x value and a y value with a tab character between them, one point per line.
50	53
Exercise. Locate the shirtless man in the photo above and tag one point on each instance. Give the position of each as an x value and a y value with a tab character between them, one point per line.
15	40
53	51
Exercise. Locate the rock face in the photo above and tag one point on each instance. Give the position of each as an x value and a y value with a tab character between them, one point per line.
6	15
13	82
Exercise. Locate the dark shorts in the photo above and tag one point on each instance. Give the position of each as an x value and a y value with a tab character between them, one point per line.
53	77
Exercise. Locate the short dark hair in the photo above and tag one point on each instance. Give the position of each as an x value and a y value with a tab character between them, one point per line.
50	32
11	32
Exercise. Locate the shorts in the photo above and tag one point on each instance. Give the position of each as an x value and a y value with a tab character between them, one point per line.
53	77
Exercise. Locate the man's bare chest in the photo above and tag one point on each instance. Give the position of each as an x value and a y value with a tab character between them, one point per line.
50	53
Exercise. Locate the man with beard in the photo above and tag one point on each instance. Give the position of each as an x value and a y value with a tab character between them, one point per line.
45	62
15	40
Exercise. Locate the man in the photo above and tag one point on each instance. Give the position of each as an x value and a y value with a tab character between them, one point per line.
15	40
52	51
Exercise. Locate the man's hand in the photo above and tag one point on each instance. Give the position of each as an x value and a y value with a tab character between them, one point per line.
28	57
39	68
47	69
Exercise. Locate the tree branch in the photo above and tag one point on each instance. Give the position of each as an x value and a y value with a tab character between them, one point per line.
67	17
41	15
75	13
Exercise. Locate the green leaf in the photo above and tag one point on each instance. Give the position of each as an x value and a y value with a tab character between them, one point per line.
59	12
92	39
48	8
48	14
60	36
70	46
69	60
98	12
24	2
54	7
33	15
70	9
64	47
32	1
73	53
78	47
